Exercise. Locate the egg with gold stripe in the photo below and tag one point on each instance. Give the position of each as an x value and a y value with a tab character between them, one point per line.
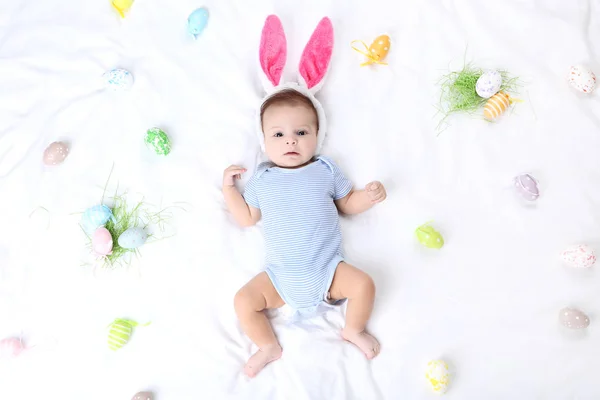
496	105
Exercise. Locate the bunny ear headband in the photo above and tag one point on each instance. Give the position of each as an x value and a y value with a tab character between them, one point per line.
311	70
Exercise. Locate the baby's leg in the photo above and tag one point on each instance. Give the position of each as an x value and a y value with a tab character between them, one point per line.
355	285
250	302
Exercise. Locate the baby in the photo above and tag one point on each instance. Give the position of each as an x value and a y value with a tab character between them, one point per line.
298	195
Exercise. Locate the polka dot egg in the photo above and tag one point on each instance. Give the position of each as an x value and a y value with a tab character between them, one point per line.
573	318
380	47
437	375
56	153
142	396
488	84
132	238
582	78
578	256
197	21
118	79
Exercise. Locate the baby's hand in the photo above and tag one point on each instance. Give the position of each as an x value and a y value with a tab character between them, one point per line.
232	173
376	192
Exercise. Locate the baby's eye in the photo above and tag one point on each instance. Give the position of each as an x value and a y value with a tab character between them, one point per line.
278	134
302	133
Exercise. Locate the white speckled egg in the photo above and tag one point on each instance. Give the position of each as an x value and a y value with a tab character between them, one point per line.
118	79
132	238
582	78
437	375
488	84
527	186
56	153
142	396
578	256
573	318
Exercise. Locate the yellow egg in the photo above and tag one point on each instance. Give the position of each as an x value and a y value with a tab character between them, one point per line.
380	48
438	376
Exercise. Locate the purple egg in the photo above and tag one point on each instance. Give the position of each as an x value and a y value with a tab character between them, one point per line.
527	187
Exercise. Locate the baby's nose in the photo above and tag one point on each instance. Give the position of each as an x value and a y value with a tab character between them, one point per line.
291	141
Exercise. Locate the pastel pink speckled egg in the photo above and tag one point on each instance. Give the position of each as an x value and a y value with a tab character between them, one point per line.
102	242
11	347
582	78
56	153
578	256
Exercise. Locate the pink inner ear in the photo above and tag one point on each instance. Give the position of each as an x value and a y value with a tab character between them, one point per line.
317	54
273	49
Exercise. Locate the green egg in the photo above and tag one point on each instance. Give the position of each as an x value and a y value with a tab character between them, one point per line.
158	141
429	237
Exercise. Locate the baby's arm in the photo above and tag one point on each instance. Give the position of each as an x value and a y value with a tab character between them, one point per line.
358	201
244	214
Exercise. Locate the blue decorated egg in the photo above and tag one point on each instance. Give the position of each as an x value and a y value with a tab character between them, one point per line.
95	217
197	21
488	84
118	79
132	238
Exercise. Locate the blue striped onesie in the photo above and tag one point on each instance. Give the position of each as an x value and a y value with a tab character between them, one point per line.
303	241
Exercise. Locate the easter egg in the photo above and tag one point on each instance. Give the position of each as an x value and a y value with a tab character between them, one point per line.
429	237
496	105
11	347
158	141
380	47
573	318
122	6
102	242
132	238
197	21
55	153
578	256
527	187
437	375
118	79
142	396
95	217
119	333
582	78
488	84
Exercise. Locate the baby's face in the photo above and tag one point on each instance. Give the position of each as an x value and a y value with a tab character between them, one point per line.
290	134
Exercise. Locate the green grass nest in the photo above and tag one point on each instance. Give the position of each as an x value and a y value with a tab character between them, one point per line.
458	92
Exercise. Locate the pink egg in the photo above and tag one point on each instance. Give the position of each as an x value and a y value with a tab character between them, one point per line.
102	242
11	347
573	318
56	153
579	256
142	396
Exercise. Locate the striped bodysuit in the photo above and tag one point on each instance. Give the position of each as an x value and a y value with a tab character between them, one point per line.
301	228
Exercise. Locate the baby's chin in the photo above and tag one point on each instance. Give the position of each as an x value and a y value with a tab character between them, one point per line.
290	162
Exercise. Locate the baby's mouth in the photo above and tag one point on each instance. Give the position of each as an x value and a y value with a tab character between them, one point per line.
291	153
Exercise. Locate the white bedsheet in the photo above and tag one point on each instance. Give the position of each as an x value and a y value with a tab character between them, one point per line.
487	302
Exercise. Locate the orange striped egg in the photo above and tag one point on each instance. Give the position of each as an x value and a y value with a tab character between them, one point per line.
380	47
496	105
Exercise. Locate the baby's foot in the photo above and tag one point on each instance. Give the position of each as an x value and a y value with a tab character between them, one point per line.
261	358
367	343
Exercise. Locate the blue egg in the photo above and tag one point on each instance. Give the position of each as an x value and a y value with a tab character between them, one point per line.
197	21
95	217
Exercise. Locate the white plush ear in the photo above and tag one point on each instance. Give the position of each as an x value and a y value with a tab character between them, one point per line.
272	52
316	56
